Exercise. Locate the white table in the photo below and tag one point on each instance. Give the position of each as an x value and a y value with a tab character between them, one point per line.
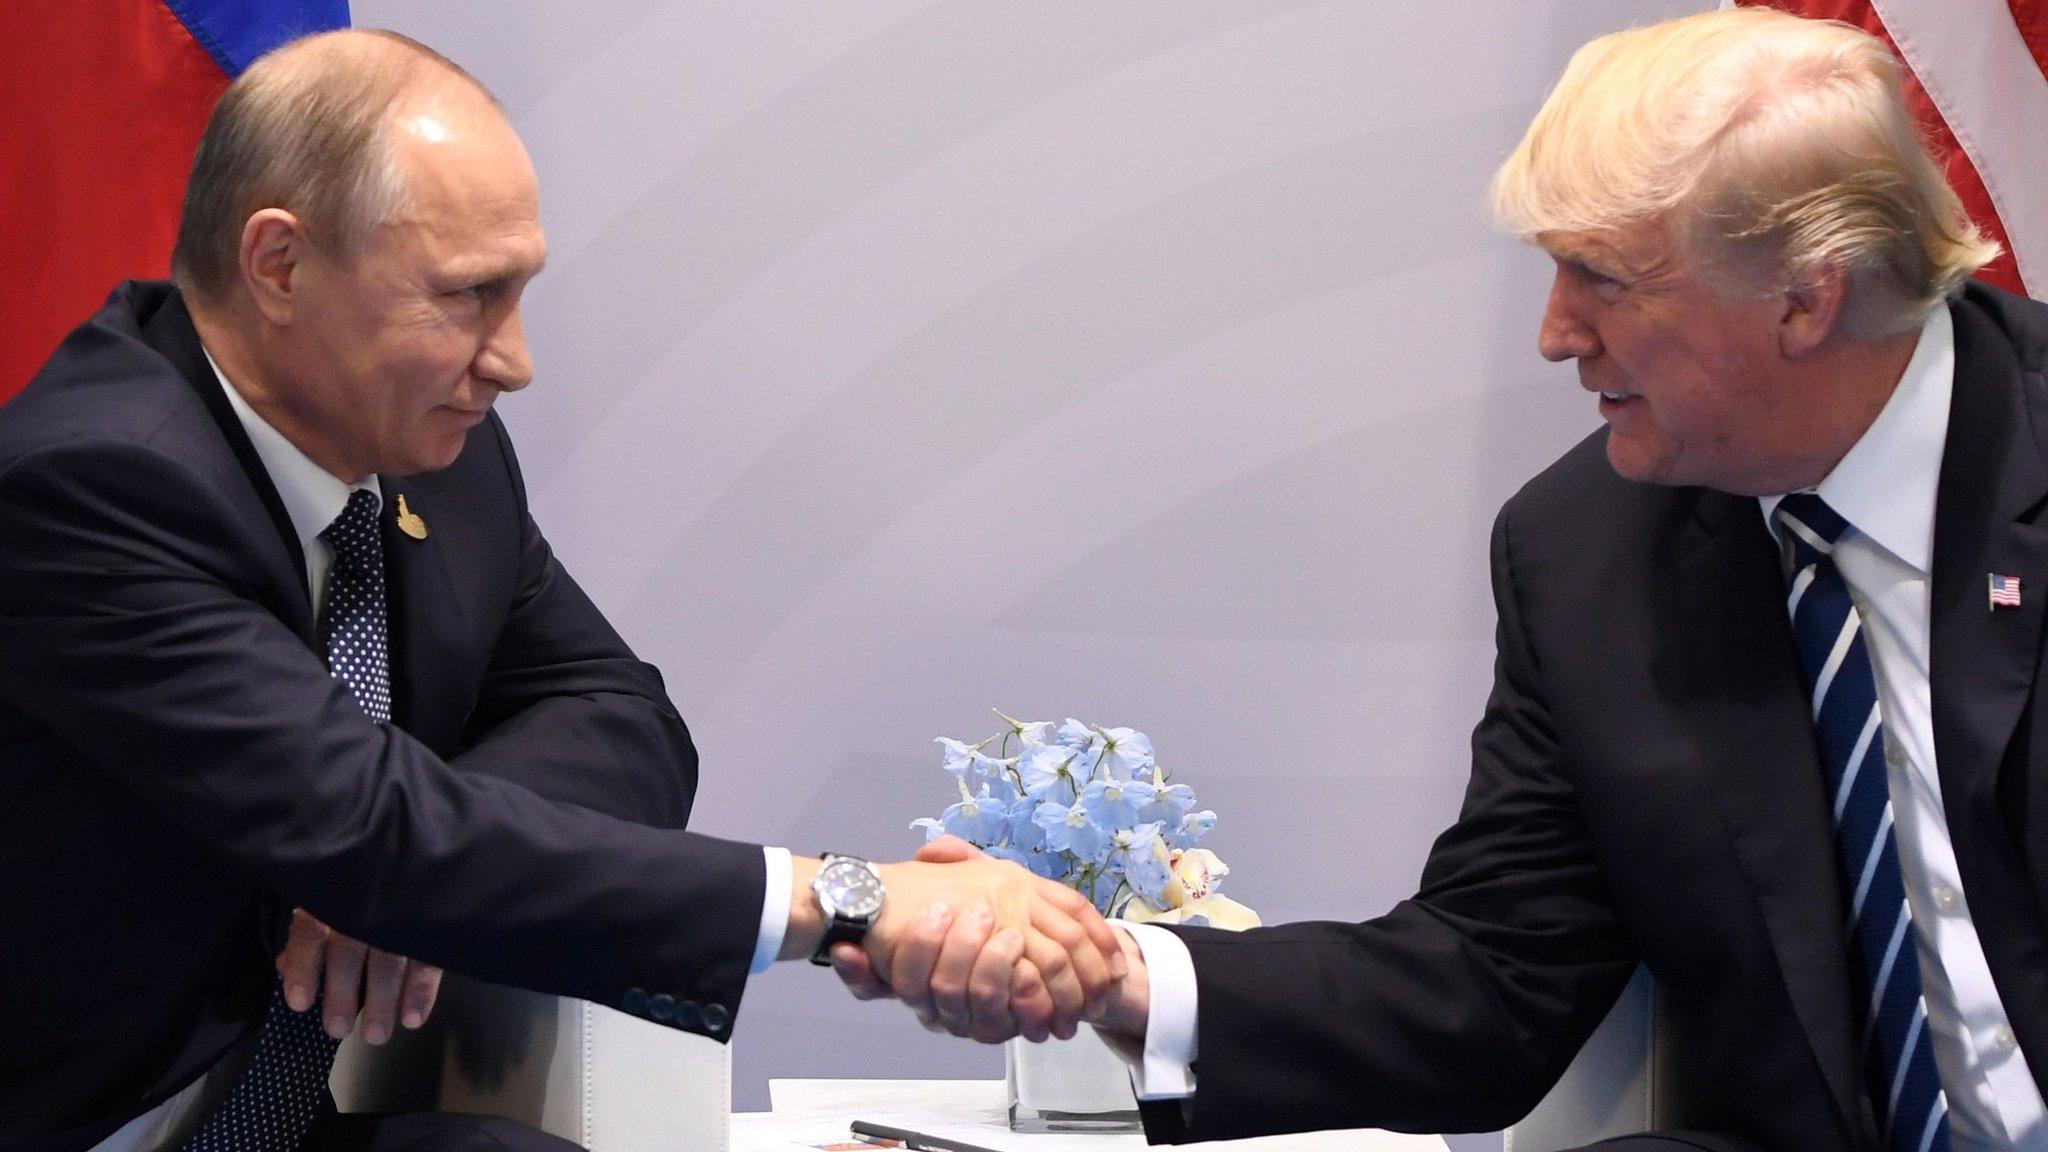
810	1113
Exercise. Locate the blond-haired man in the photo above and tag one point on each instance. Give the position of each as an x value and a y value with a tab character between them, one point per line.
1821	828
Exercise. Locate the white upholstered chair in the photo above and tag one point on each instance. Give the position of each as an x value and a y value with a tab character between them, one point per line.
606	1080
1620	1083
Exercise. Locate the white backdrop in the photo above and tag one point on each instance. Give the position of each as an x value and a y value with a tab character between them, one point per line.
1149	362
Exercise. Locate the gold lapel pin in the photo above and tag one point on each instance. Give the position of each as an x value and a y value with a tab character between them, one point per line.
410	523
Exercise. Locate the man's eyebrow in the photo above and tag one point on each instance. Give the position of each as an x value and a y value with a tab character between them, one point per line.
495	272
1590	263
1575	261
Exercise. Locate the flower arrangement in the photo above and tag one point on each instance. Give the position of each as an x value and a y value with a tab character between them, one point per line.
1092	808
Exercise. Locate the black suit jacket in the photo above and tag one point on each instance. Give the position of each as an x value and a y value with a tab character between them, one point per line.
178	769
1645	788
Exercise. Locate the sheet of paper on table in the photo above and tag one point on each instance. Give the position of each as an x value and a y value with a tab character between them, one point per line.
814	1115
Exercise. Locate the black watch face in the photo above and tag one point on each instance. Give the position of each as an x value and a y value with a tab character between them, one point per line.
852	889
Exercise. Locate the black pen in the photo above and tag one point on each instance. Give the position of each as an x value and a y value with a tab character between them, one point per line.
915	1141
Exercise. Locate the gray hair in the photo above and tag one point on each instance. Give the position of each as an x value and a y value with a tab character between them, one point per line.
305	129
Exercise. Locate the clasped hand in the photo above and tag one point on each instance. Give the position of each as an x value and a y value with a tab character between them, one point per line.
982	948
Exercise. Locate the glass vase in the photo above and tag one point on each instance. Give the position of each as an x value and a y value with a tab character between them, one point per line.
1076	1085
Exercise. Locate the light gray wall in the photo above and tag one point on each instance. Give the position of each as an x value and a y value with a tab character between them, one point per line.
1149	362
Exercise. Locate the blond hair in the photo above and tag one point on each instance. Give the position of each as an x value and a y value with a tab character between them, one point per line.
1772	146
304	128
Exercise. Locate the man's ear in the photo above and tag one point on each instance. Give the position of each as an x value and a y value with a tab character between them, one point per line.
273	244
1810	309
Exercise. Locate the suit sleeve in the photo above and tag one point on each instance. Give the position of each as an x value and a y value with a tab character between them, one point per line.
565	708
1458	1009
133	634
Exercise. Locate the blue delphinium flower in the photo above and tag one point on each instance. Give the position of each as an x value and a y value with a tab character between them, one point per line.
1057	867
1116	803
1005	852
958	753
1068	829
1074	734
973	767
1140	855
1001	787
980	820
1050	773
1104	887
1127	753
1190	829
1027	735
1169	802
1024	832
1083	740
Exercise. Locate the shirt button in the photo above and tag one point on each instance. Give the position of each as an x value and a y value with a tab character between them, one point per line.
2004	1038
1862	605
1946	898
1894	755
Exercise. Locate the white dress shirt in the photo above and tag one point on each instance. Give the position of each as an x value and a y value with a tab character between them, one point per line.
312	498
1885	488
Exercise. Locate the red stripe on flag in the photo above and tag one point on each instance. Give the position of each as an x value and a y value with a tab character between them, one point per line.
104	102
1962	174
2031	18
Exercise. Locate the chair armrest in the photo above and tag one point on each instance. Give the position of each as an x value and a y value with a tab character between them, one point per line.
1614	1086
606	1080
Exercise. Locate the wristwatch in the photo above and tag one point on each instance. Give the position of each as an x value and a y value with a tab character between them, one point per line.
850	893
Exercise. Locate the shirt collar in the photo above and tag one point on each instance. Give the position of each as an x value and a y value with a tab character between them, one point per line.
312	495
1885	485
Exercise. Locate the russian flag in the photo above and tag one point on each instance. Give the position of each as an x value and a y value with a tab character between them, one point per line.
103	103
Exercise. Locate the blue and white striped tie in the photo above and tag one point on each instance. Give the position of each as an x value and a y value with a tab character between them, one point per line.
1884	968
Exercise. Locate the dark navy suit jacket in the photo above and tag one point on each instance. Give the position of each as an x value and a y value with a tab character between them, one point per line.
1645	788
178	769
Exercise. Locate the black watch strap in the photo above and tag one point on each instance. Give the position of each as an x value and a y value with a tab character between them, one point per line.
838	929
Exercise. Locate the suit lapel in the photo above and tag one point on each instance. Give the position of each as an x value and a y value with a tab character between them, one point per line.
425	615
1743	674
171	333
1981	662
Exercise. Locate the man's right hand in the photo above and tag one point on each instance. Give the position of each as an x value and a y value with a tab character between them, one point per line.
961	975
977	946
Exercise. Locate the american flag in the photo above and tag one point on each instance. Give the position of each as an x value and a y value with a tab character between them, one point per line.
2005	591
1975	80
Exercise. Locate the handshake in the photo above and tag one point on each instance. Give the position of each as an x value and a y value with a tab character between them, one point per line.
982	948
975	946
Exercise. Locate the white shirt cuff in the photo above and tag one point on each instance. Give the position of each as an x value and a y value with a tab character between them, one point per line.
774	908
1166	1072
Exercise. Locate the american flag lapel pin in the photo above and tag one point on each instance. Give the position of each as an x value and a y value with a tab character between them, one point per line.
2005	592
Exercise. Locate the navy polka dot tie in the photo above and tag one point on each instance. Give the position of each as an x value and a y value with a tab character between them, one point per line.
353	623
285	1086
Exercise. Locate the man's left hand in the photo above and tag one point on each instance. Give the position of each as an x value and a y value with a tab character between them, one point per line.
351	976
